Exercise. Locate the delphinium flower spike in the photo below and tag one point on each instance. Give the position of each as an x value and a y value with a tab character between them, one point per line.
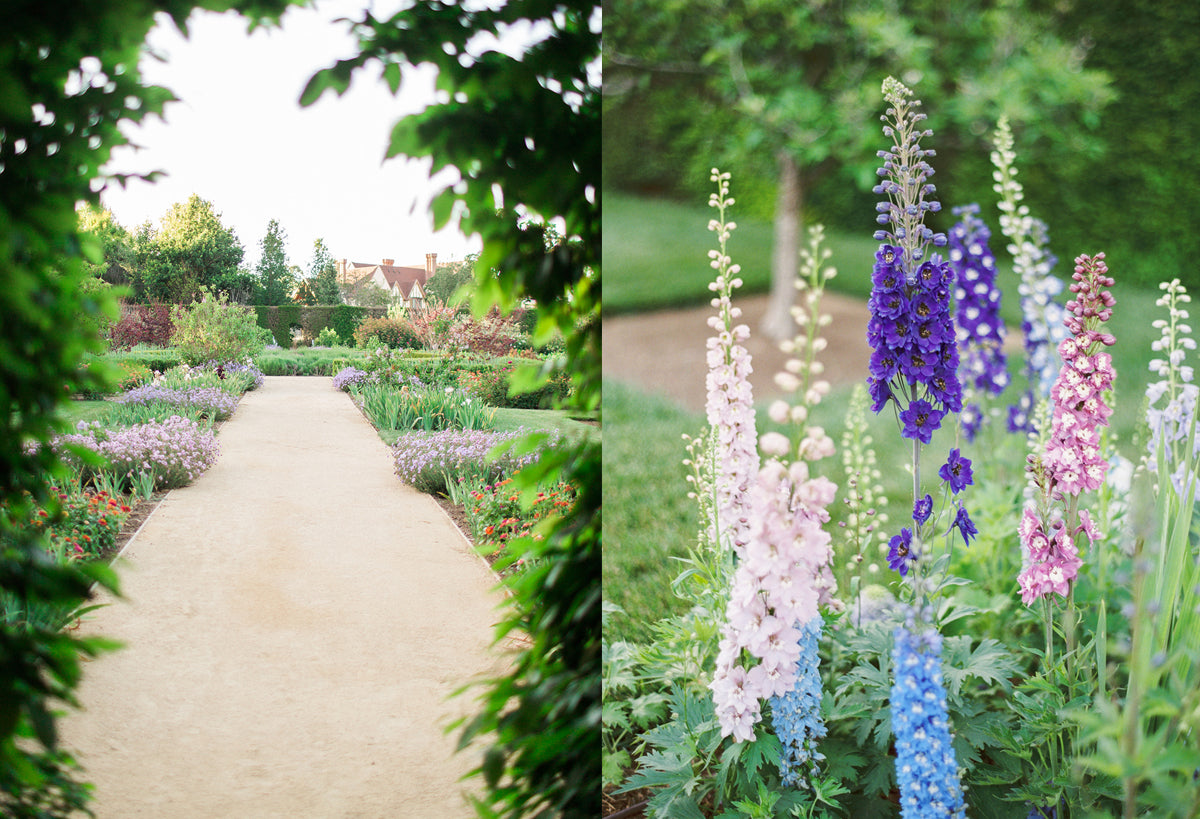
1042	322
984	366
914	358
1171	411
781	579
1070	462
730	398
926	768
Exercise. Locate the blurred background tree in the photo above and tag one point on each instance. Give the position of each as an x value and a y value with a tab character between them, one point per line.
787	95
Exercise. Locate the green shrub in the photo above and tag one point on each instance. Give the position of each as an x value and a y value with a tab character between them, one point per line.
394	333
305	361
328	337
490	384
215	330
154	359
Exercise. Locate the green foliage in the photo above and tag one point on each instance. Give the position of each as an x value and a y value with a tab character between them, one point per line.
190	251
305	361
322	272
345	321
391	332
328	337
452	282
108	245
275	280
212	329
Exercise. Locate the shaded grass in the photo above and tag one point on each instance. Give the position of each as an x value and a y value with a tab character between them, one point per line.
648	518
656	254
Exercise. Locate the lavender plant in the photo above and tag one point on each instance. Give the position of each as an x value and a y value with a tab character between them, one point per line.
175	451
207	401
1042	323
427	460
983	366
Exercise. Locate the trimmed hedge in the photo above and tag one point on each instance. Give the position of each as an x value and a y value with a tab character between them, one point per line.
311	320
305	361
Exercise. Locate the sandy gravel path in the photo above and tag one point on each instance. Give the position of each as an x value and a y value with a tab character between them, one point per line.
664	351
294	623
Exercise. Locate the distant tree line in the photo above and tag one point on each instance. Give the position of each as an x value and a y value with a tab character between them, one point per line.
190	249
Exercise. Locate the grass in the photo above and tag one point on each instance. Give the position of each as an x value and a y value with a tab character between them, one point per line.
656	254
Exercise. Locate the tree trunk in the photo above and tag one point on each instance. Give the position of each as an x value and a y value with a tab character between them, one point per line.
785	257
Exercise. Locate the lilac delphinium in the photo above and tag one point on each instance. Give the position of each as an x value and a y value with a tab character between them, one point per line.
780	581
983	365
926	769
1042	322
730	400
1070	462
796	714
1171	413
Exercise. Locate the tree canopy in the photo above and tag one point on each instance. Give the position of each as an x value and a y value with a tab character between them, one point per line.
788	93
322	272
275	280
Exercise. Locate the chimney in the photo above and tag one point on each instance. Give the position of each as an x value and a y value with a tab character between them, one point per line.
430	264
341	270
388	262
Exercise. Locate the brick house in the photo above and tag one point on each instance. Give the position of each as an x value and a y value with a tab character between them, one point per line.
404	284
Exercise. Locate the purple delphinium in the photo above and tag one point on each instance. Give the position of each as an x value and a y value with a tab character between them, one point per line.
901	553
983	365
914	359
956	472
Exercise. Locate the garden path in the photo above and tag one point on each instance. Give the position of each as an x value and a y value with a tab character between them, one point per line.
294	624
664	351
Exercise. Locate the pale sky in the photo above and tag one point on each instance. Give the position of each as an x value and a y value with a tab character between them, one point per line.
239	139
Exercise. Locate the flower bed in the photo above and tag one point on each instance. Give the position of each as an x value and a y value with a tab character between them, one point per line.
1009	651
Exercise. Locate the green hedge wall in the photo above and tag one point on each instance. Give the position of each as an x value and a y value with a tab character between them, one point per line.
282	319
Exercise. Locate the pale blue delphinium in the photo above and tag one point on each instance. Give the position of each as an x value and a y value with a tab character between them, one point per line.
797	714
926	770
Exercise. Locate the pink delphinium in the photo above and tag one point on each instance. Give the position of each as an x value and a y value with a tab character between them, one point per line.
730	399
779	583
1071	462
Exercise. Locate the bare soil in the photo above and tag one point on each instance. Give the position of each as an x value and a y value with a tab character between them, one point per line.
663	351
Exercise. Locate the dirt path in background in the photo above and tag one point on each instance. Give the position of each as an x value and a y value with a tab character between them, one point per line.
294	624
663	351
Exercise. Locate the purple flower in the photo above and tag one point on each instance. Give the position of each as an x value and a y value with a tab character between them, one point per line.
920	419
980	330
962	522
956	472
910	330
900	552
922	509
